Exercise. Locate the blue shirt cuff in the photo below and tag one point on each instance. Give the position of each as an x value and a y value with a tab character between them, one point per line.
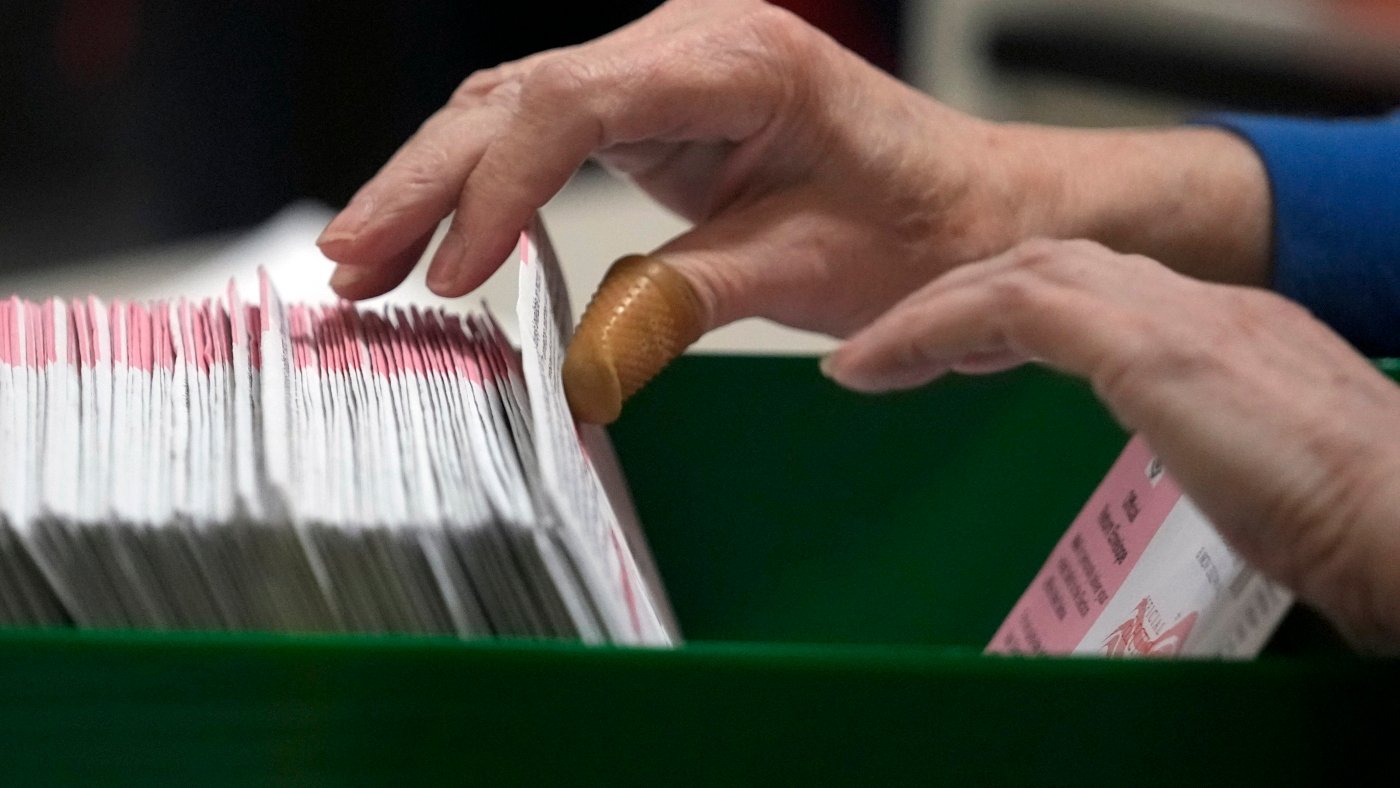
1336	223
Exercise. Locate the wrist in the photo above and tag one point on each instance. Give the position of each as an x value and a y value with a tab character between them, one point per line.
1196	199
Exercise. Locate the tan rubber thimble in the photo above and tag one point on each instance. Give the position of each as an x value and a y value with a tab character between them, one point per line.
643	316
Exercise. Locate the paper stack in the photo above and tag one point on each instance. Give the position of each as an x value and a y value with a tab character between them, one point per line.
234	464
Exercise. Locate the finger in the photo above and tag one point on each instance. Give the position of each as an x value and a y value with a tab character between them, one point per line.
481	83
917	341
644	314
1063	261
419	185
360	282
570	107
422	182
989	362
648	310
1016	314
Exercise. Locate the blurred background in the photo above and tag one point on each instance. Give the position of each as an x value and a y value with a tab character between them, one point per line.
128	122
132	129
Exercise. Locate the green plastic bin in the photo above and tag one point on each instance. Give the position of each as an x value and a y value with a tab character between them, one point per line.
837	562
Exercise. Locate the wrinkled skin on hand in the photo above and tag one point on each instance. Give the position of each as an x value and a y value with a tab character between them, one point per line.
823	193
823	190
1279	430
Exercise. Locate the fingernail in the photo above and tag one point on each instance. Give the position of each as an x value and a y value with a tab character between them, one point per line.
348	223
826	365
445	270
347	276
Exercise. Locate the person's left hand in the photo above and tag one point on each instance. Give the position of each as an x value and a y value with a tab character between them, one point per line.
1283	435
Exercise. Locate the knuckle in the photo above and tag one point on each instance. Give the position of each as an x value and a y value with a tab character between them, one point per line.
1119	379
1268	305
1250	315
1015	293
558	79
777	26
771	20
1068	259
474	84
425	162
911	353
422	171
1146	268
1177	354
912	347
1083	247
1129	372
1036	253
721	290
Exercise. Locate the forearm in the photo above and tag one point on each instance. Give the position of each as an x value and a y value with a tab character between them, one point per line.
1197	199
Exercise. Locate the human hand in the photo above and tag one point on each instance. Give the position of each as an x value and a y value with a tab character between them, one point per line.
1281	433
822	189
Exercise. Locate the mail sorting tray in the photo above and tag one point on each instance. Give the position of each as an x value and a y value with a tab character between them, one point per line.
837	562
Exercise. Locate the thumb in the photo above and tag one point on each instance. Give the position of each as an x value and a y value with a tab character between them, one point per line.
649	309
644	314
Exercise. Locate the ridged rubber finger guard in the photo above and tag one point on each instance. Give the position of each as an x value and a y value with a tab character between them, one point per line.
643	316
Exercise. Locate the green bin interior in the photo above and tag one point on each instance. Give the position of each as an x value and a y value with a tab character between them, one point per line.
837	563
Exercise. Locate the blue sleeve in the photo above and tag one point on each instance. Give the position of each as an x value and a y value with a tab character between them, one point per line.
1336	228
